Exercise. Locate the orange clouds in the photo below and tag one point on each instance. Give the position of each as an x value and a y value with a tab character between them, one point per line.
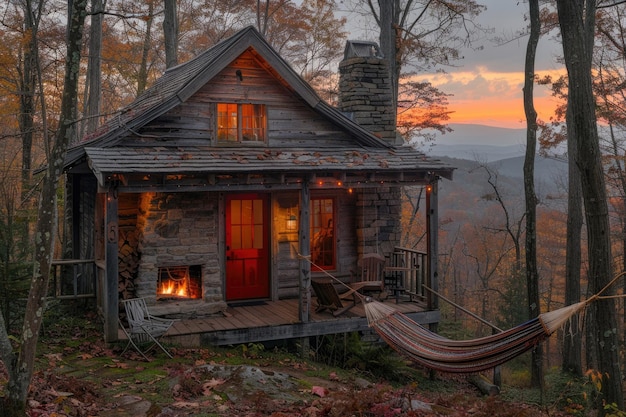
491	98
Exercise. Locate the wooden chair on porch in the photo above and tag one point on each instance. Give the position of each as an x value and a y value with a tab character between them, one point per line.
143	328
328	298
371	276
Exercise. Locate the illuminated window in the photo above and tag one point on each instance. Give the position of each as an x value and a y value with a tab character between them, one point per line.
237	123
322	233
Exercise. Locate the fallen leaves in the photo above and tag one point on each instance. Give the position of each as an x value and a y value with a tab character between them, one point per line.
185	387
208	386
319	391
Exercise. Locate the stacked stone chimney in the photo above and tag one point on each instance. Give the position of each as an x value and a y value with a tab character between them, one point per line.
365	89
365	96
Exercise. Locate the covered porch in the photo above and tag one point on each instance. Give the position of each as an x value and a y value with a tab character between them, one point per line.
405	276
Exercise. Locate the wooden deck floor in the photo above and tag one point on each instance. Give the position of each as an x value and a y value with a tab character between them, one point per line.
278	320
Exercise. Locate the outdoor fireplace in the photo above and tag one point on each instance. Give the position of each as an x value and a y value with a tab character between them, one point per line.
179	282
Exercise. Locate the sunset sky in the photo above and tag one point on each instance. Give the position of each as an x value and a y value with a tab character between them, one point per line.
487	84
486	96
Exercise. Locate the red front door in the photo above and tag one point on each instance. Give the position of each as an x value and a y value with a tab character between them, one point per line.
247	255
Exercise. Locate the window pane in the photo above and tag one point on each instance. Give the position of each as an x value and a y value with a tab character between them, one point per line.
322	233
258	237
252	122
235	215
227	122
235	231
241	122
257	207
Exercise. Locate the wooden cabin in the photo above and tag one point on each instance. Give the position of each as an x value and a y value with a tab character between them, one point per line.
228	184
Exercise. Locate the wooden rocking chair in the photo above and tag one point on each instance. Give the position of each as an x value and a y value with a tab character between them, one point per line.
372	274
143	327
329	299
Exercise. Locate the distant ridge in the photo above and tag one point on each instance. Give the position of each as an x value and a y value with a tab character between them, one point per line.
482	135
479	143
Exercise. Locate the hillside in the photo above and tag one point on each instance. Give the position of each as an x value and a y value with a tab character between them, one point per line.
78	375
470	182
502	151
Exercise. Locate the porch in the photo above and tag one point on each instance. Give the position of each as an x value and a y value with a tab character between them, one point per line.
244	322
278	320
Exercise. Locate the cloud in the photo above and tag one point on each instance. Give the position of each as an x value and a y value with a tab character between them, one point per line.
490	97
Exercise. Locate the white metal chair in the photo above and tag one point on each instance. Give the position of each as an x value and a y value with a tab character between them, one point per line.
143	328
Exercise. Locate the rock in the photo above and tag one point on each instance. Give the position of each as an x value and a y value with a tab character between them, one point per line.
362	383
131	406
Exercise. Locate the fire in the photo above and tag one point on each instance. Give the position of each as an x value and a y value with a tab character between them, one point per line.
172	288
179	282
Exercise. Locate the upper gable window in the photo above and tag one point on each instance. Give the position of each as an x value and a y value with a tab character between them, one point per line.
241	123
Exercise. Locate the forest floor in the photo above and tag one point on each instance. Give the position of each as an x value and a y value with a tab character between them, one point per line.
78	375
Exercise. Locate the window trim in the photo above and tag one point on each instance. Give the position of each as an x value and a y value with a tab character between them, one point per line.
259	108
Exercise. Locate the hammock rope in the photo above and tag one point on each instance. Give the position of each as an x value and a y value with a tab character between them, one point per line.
439	353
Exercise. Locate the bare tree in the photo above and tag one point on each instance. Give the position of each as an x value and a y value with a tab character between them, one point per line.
20	363
94	69
572	342
415	32
577	23
27	87
170	32
532	275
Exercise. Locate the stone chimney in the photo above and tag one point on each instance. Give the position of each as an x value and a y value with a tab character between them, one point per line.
365	90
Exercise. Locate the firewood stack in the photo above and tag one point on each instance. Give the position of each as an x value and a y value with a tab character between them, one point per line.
128	263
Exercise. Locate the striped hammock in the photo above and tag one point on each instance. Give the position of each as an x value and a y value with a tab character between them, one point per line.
462	356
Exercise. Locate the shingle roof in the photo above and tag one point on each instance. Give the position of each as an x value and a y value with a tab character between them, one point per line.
180	82
167	160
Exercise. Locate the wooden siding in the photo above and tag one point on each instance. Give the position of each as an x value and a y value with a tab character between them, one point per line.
286	245
291	122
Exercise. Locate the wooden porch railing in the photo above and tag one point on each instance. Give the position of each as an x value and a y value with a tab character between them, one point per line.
73	278
407	273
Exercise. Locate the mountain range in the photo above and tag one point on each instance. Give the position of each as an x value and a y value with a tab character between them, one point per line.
502	150
479	143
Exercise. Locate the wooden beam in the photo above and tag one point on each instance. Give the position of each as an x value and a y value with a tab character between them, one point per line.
305	251
432	224
301	330
111	258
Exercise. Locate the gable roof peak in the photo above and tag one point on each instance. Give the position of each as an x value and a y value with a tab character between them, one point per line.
180	82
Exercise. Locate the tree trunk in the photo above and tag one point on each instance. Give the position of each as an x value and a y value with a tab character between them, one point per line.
27	94
170	33
572	339
20	365
532	275
389	43
577	22
262	18
94	73
142	77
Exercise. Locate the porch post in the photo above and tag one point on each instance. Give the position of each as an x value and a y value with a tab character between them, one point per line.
304	299
111	281
432	224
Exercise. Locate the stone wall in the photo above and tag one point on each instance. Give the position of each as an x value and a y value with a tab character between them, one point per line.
378	220
179	229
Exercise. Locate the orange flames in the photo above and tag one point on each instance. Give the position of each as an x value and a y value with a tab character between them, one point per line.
179	282
173	288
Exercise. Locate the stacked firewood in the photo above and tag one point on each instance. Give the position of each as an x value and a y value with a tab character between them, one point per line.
128	263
